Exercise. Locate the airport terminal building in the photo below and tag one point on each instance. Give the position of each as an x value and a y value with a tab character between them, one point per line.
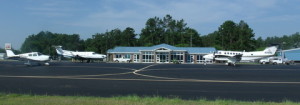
162	53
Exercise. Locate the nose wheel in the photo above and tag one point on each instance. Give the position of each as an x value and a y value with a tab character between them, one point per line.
230	64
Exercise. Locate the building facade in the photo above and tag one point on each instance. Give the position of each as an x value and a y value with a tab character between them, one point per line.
292	54
162	53
2	55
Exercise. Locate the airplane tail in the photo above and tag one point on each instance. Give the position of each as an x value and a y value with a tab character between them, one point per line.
271	50
59	50
10	53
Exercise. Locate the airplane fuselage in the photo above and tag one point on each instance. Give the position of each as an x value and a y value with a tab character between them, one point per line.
35	56
246	56
236	56
78	54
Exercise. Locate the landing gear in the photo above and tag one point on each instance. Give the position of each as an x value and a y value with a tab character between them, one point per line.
47	64
230	64
36	63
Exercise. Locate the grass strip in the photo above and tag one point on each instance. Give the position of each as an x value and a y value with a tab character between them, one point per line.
20	99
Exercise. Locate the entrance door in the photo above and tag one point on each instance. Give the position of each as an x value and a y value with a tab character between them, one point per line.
192	58
136	58
162	57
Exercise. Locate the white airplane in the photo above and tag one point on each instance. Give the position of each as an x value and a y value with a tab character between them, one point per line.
231	57
31	57
79	55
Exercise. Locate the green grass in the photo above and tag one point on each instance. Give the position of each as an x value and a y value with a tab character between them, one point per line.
18	99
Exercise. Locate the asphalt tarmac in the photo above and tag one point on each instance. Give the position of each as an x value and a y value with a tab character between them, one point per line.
187	81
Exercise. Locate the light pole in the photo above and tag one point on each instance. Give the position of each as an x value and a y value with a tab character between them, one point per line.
282	54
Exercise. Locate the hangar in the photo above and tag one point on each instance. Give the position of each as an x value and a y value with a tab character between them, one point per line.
162	53
292	54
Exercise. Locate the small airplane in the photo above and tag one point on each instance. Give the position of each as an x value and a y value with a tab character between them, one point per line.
232	57
79	55
31	57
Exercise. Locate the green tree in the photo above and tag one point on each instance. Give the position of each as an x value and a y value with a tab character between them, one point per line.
129	37
232	36
245	40
43	42
2	50
227	35
210	40
169	31
153	31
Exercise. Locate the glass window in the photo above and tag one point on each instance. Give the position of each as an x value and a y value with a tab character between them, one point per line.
118	56
148	57
127	56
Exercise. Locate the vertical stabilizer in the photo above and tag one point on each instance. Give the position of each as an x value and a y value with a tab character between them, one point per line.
271	50
10	53
59	50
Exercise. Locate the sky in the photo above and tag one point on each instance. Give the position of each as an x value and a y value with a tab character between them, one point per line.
21	18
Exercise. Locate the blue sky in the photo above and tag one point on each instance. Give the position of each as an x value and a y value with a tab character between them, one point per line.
21	18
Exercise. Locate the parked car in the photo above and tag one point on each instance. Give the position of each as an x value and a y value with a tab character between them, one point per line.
123	59
266	60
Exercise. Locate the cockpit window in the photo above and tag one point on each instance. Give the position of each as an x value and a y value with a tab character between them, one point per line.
39	54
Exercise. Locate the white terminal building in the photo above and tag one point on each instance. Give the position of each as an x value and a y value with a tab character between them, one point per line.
162	53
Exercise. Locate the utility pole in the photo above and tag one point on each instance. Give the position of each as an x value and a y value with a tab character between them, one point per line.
282	54
191	40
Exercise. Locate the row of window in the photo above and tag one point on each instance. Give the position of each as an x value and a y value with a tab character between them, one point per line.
120	56
230	53
34	54
162	57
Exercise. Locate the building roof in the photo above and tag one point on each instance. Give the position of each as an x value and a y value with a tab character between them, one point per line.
191	50
296	50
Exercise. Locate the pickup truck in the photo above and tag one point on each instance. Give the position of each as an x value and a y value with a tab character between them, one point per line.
123	59
280	61
266	60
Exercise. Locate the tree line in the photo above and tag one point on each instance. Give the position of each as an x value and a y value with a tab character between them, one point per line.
229	36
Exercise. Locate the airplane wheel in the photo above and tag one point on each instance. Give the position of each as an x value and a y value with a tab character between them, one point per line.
47	64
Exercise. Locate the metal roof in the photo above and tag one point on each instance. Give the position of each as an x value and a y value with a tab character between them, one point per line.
191	50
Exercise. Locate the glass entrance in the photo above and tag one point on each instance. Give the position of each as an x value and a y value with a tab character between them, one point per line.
162	57
136	58
190	58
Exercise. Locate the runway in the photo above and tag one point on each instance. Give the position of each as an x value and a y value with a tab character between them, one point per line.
186	81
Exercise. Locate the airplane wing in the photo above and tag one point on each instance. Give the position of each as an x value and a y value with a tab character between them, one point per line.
231	59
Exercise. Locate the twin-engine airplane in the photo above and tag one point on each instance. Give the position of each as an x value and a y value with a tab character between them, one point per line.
79	55
232	57
32	58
